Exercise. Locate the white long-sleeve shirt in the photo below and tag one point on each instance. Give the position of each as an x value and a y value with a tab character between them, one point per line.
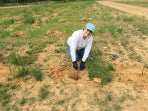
76	42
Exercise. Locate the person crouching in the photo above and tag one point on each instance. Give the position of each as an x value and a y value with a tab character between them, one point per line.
80	44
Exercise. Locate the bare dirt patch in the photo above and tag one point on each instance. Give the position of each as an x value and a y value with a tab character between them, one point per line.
134	76
4	72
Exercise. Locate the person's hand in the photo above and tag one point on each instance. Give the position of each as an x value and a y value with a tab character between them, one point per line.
82	65
75	65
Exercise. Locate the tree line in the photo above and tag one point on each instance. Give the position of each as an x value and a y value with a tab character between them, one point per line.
24	1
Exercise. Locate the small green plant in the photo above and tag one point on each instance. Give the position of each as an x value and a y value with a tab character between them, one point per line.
31	100
101	29
43	93
45	59
128	19
146	66
18	60
57	51
4	34
112	30
120	30
22	72
23	101
8	22
4	95
143	27
1	55
96	97
97	52
117	107
114	42
63	50
61	101
37	73
118	18
9	78
110	67
122	99
108	97
120	51
124	42
131	97
29	20
13	86
61	91
38	48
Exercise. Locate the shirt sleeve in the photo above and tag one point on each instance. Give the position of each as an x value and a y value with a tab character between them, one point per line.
73	45
87	50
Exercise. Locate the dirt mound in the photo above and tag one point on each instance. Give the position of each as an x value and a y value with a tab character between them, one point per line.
4	72
54	33
67	72
18	34
62	21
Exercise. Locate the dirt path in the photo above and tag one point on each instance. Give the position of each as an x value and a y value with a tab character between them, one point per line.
141	11
17	6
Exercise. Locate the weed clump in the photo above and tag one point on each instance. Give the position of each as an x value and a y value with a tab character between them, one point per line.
8	22
23	101
37	73
43	93
22	72
18	60
29	20
98	68
4	95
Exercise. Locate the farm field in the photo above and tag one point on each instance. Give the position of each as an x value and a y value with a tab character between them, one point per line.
36	72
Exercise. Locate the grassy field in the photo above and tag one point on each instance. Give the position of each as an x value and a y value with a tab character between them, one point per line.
138	3
27	32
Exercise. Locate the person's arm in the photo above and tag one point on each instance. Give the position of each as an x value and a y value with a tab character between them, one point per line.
87	50
73	45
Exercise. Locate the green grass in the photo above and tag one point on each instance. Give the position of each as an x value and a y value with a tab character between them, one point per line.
123	98
4	34
62	101
96	97
29	20
7	22
23	101
22	72
117	107
37	73
4	94
98	68
18	60
43	93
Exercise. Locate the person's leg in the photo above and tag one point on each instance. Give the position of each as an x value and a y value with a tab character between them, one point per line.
77	57
68	49
81	51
